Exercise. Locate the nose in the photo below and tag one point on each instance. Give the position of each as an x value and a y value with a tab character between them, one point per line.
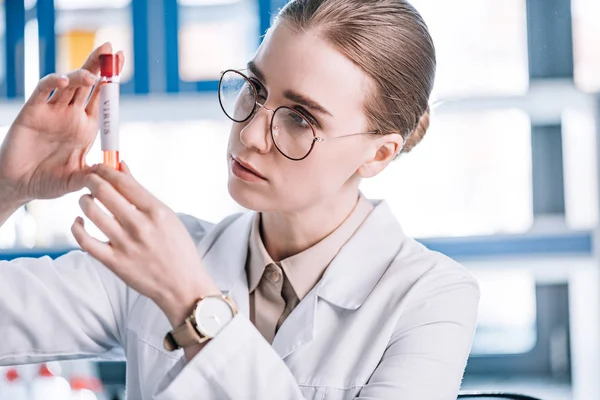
257	132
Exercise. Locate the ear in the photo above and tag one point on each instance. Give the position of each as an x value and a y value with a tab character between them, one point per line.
385	149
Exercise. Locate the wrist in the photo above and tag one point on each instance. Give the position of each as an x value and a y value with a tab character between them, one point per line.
181	304
210	315
9	197
8	206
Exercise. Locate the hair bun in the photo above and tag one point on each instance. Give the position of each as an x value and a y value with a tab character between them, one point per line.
417	135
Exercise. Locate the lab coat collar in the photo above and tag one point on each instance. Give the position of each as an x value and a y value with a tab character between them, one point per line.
362	261
348	280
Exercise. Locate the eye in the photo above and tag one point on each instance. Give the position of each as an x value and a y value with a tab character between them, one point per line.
298	120
260	91
307	115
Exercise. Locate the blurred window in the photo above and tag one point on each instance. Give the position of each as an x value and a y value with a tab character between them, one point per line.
90	4
481	46
205	2
2	44
586	37
470	175
215	35
580	169
506	323
79	30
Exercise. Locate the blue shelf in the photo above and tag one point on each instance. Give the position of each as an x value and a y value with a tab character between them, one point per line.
496	246
572	243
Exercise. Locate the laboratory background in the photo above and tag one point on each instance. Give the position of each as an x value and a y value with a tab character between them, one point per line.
505	182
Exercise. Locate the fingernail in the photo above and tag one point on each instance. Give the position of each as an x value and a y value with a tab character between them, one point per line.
64	77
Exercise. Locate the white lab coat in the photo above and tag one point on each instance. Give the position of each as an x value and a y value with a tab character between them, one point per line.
390	320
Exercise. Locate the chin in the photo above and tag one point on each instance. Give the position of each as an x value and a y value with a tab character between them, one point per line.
246	196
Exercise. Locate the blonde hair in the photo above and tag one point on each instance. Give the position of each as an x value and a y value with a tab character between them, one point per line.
390	42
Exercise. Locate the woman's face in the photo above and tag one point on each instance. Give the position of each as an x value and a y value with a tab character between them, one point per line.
290	66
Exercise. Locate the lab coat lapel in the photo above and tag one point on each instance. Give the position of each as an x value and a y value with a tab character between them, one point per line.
224	250
349	279
299	327
360	264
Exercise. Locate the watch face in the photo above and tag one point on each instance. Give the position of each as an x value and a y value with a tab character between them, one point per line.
212	314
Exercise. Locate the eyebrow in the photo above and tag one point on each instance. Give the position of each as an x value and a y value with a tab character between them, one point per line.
289	94
305	101
254	69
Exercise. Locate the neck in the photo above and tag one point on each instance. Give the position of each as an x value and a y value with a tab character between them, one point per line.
287	234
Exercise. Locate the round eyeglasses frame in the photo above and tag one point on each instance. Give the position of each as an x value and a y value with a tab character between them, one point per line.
316	139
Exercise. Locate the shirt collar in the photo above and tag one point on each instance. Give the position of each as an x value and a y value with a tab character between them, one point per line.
305	269
258	257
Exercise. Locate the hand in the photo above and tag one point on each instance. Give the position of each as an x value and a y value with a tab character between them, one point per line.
149	248
43	154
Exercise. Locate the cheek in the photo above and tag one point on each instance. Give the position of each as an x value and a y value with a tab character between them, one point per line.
234	135
338	158
322	172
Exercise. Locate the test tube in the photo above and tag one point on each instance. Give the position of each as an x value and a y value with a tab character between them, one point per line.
109	109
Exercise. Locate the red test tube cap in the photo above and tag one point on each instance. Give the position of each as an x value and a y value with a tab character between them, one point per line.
109	65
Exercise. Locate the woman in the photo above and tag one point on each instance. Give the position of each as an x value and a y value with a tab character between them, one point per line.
315	294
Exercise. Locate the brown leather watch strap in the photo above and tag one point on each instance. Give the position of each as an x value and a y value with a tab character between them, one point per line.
183	336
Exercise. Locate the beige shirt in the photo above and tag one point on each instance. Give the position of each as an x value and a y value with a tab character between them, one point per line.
276	288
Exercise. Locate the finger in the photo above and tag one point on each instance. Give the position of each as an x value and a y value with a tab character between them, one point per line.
118	205
126	184
46	86
101	251
82	94
121	58
92	107
77	79
92	63
93	103
78	178
106	223
125	168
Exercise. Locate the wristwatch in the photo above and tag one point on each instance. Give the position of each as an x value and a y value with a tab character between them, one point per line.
210	315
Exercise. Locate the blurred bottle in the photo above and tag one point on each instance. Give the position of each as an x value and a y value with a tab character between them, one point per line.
83	389
49	386
13	387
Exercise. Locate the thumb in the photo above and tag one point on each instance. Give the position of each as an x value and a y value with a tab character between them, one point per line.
125	168
78	178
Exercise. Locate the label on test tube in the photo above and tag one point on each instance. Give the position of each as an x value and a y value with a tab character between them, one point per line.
109	116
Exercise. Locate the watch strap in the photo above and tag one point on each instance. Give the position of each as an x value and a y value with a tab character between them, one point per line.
184	336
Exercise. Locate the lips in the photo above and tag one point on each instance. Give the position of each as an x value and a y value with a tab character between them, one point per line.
249	167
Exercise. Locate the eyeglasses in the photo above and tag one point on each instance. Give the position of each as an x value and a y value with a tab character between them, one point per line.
292	133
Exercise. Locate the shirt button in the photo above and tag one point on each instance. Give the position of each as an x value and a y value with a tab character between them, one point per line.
273	275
